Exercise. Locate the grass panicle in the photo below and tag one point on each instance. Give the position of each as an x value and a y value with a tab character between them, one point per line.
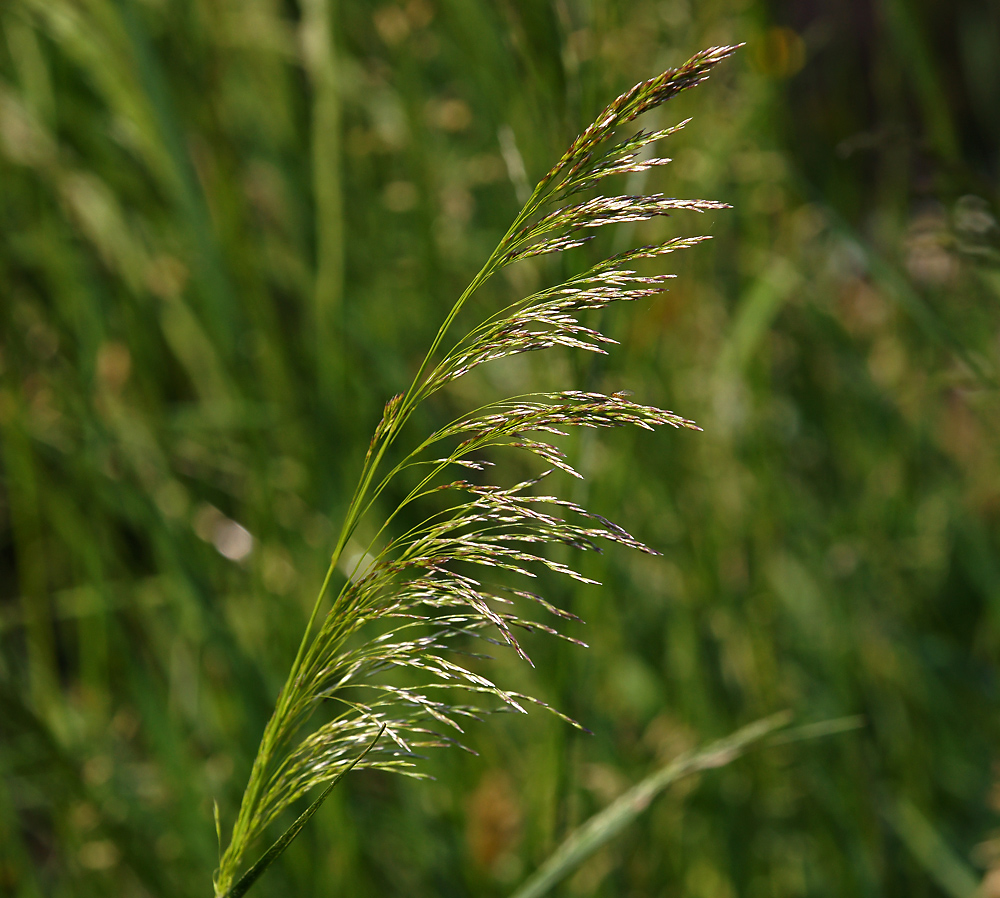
419	589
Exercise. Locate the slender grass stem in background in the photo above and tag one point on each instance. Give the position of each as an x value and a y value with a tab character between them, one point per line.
419	586
319	54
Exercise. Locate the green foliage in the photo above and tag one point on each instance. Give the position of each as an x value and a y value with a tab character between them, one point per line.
230	231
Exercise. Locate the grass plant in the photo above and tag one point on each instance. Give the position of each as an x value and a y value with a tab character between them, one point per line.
200	198
419	583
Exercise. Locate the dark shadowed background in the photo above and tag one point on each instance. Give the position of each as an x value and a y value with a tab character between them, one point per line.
230	229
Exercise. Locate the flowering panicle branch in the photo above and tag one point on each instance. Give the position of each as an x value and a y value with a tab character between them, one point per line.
390	692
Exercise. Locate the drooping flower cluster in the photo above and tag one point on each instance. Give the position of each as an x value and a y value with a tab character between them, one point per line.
383	657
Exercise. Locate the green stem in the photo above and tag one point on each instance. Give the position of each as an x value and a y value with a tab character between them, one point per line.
529	208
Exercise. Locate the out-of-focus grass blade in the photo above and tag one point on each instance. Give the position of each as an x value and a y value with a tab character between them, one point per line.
220	303
930	850
756	313
817	730
914	51
319	56
606	824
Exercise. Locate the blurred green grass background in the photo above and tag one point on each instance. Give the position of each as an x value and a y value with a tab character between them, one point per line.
230	230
